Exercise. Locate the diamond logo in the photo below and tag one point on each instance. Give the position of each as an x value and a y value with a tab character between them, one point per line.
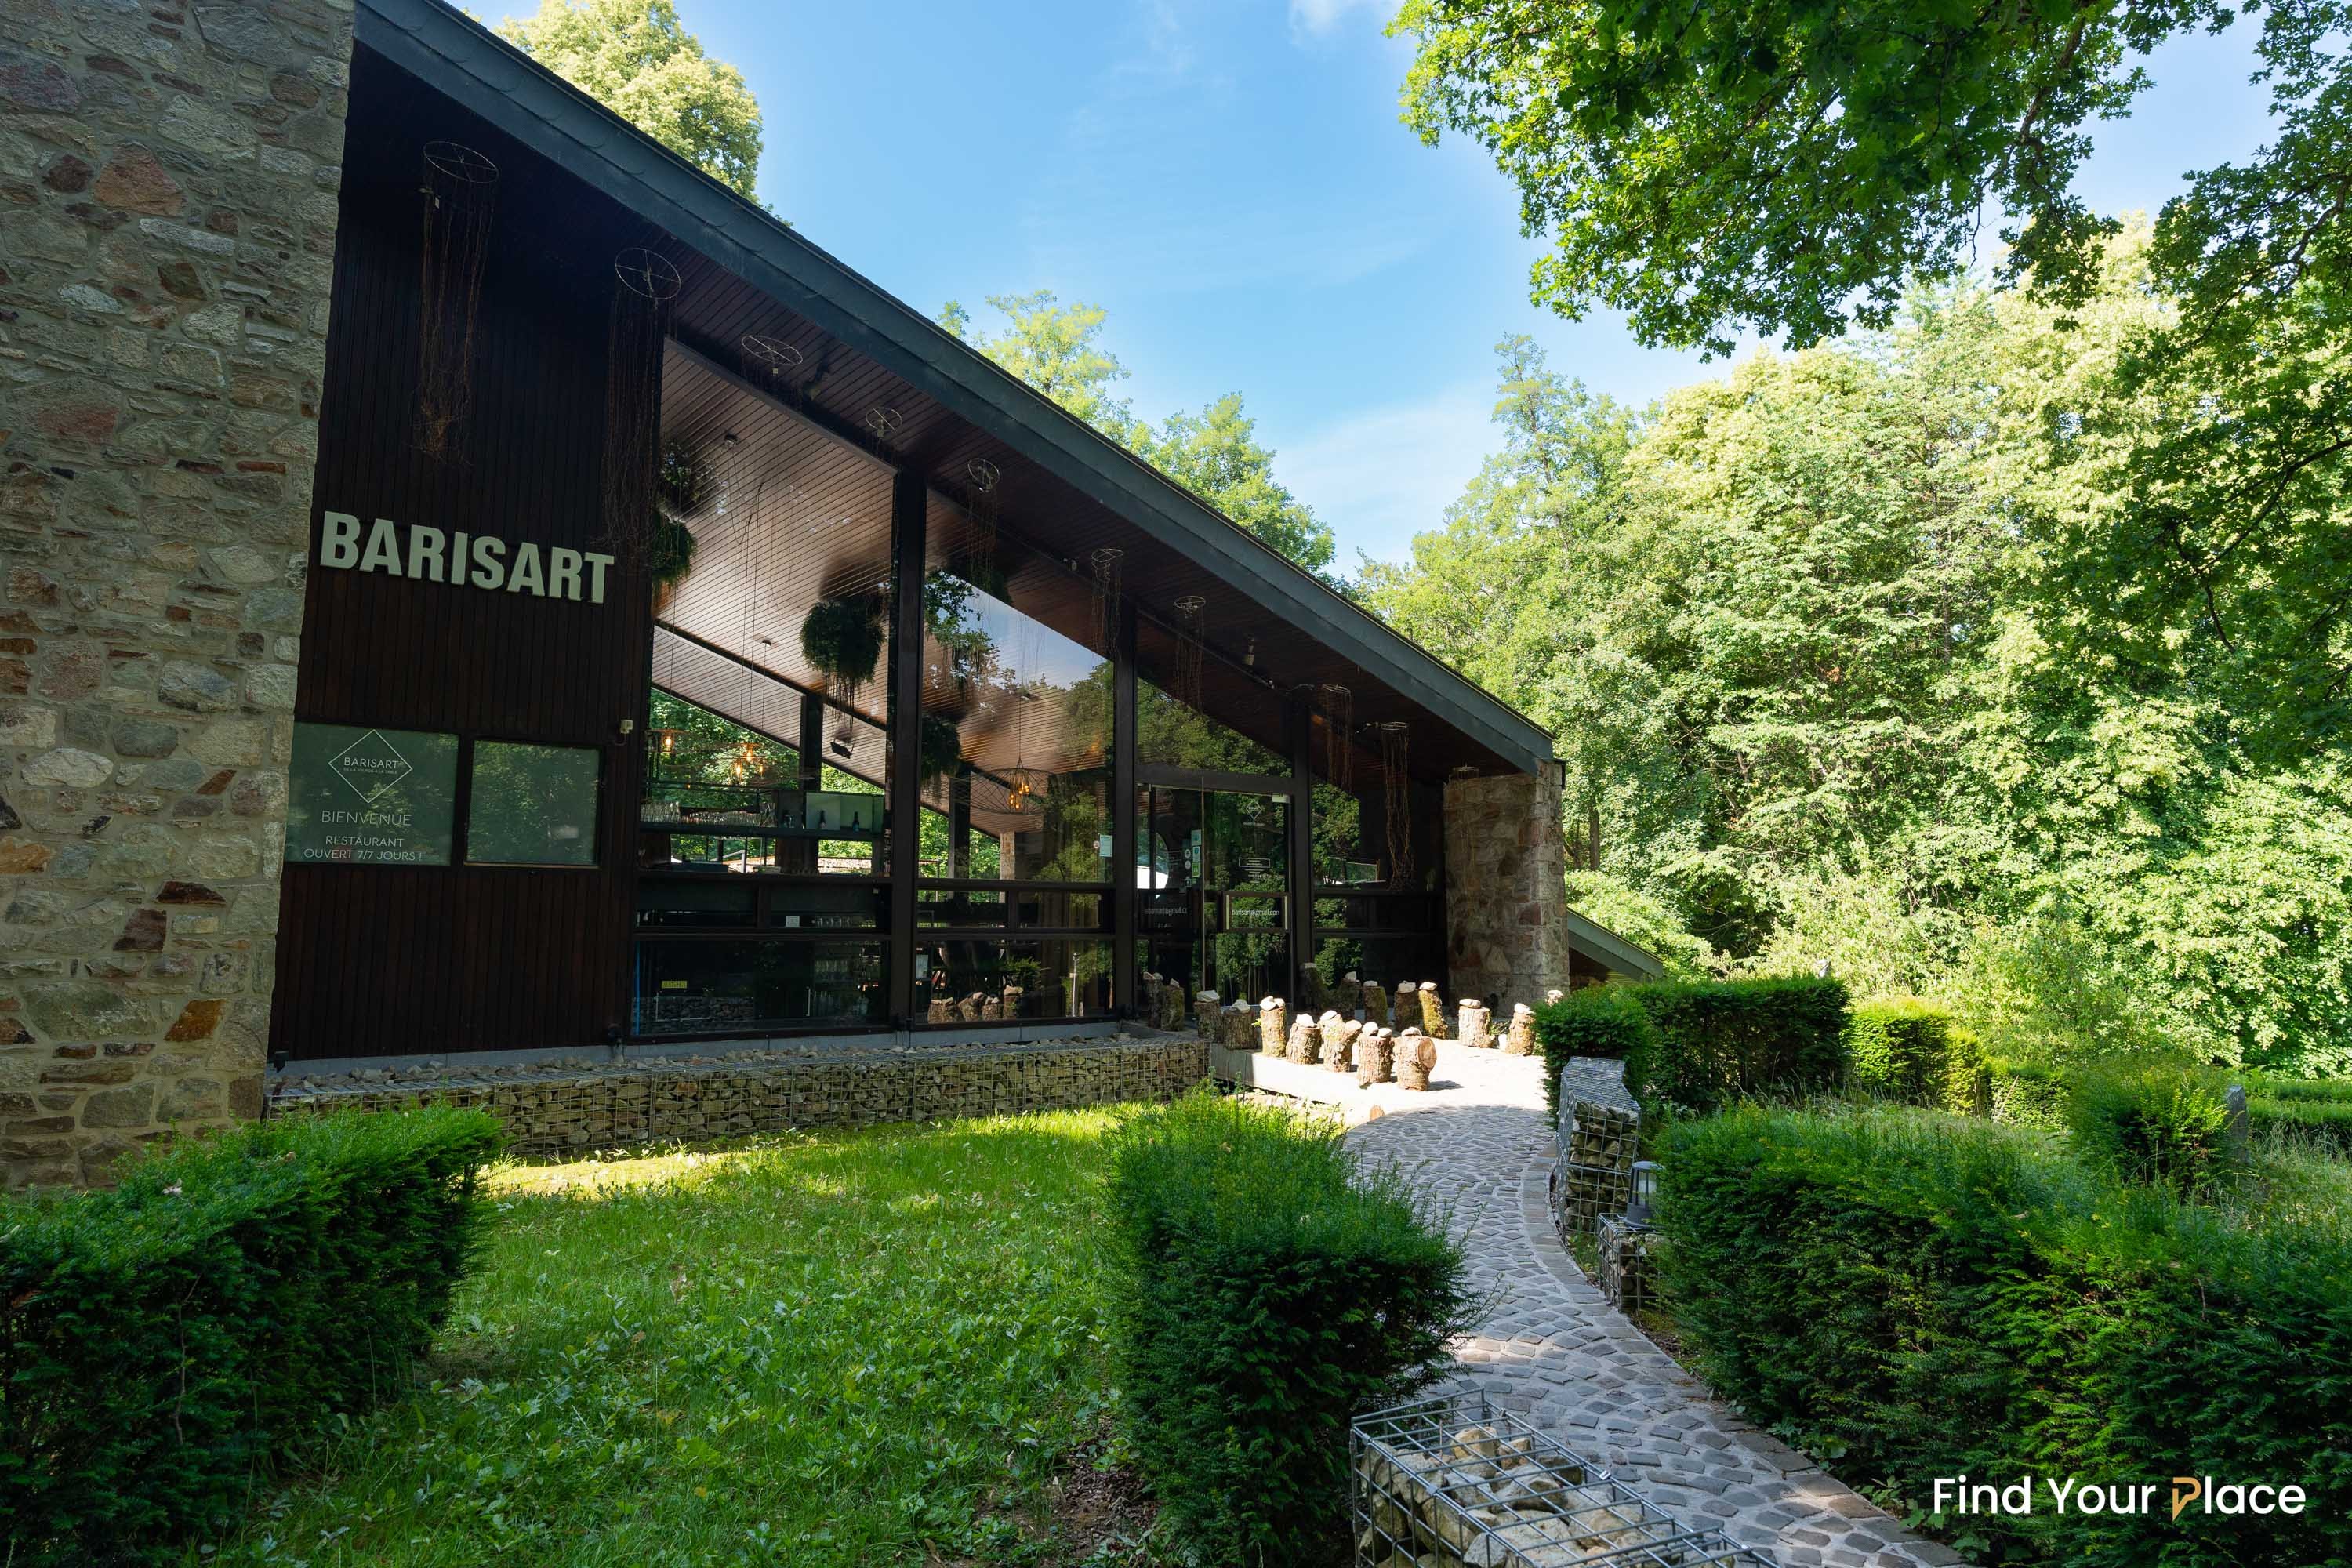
371	765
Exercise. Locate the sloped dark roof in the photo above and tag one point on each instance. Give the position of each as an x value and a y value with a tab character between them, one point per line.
493	80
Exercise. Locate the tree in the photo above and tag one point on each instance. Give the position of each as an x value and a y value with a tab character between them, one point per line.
1057	349
637	60
1790	168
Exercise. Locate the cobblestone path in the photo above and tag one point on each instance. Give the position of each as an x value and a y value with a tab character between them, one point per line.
1553	1351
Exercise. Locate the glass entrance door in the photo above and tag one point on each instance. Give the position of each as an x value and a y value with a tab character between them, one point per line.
1212	907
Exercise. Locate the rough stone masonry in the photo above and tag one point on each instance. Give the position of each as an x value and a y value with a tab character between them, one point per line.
168	179
1505	865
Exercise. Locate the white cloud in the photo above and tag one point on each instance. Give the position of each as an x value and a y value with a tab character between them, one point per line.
1319	18
1380	475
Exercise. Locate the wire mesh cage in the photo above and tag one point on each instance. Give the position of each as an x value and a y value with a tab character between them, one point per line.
1452	1482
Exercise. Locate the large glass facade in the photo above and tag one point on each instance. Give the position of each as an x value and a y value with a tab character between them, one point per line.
778	888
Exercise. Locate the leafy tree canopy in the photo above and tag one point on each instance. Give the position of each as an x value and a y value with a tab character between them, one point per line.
1058	350
1790	167
637	58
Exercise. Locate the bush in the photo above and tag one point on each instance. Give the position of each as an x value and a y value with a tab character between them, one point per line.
2160	1126
1267	1291
1701	1044
1713	1043
1597	1020
163	1342
2025	1093
1905	1048
1921	1297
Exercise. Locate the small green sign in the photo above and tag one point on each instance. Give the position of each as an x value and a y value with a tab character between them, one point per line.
371	798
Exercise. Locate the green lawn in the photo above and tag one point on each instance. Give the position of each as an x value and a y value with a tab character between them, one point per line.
882	1346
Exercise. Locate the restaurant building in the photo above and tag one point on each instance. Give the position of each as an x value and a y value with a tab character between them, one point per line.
477	586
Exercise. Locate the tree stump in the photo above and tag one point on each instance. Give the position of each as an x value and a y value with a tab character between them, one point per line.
1207	1014
970	1007
1339	1036
991	1009
1012	1005
1520	1041
1471	1029
943	1011
1171	1006
1313	997
1416	1058
1375	1049
1273	1023
1306	1040
1433	1010
1375	1003
1240	1025
1552	997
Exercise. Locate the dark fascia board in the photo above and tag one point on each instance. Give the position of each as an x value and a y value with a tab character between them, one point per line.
1621	956
493	80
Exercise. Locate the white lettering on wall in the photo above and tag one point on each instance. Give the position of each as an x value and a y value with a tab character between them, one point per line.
428	554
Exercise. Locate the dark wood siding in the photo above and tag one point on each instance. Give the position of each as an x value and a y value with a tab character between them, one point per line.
397	959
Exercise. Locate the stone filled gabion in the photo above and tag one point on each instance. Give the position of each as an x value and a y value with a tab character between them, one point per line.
1375	1052
1597	1139
573	1109
1520	1039
1306	1043
1628	1265
1453	1483
1273	1026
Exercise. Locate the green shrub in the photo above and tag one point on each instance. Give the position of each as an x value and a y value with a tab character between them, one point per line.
1267	1291
2025	1093
1903	1047
1917	1296
1597	1021
161	1344
2156	1125
2322	1124
1702	1043
1711	1043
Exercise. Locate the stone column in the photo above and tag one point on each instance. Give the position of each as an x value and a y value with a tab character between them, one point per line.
1506	885
170	184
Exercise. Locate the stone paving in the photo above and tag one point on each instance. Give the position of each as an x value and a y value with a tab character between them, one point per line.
1553	1351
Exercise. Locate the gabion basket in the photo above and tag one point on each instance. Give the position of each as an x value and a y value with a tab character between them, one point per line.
1453	1483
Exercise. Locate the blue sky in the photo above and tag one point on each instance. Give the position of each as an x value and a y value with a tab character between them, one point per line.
1230	181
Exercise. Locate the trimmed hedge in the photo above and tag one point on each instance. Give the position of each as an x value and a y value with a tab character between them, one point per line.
1704	1043
163	1342
2025	1094
1902	1048
2317	1111
1597	1021
1266	1292
1927	1297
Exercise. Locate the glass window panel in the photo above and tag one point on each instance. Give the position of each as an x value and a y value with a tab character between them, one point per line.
842	906
1016	726
960	907
532	805
359	797
1060	910
972	980
701	986
1171	732
664	903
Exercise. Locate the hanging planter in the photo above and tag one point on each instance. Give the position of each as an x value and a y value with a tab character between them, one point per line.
842	640
669	553
685	481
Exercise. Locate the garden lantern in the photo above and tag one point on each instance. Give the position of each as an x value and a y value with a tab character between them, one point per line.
1646	1191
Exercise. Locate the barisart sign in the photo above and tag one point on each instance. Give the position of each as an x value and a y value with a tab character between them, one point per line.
428	554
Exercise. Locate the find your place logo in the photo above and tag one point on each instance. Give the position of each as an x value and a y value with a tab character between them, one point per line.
2199	1495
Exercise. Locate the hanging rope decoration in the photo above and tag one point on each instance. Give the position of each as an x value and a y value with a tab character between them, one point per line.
461	194
883	424
774	366
1396	793
979	508
1338	737
644	291
1105	570
1192	647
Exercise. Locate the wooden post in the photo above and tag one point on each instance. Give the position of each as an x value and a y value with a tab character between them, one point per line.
910	502
1124	979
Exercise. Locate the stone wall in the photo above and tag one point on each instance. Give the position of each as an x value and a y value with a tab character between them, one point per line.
168	179
569	1112
1506	886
